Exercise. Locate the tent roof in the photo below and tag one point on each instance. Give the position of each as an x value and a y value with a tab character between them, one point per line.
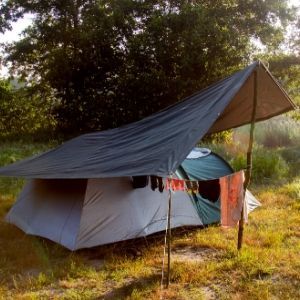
159	143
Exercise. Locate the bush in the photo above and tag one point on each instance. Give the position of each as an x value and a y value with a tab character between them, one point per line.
223	137
292	157
24	113
267	165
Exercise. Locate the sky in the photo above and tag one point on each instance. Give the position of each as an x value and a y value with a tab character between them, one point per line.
20	25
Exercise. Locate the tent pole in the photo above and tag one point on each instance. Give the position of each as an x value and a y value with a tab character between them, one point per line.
249	161
169	238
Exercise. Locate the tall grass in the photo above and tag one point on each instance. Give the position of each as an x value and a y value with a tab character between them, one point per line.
292	156
281	131
268	165
276	152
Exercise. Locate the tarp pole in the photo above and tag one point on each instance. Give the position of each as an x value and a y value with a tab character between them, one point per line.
249	160
169	238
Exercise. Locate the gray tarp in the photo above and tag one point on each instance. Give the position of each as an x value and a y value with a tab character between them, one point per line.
159	143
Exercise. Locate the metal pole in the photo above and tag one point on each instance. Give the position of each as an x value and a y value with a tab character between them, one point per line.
249	160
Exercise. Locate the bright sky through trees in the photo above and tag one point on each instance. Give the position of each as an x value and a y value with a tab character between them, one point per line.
20	25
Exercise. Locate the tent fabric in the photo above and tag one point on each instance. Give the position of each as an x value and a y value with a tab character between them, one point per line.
51	209
129	213
272	100
159	143
209	167
206	168
198	152
82	213
97	212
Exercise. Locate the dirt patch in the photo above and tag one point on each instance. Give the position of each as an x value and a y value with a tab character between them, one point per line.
33	272
193	254
97	264
208	293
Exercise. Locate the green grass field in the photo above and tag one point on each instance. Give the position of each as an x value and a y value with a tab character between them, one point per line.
205	263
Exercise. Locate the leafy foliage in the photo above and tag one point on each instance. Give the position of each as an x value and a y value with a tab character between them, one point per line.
24	111
267	165
110	62
284	61
286	67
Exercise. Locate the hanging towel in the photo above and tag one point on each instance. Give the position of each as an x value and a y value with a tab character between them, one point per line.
139	181
160	184
232	198
154	183
189	187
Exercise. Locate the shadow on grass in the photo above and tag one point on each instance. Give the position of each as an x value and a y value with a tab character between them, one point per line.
20	250
140	286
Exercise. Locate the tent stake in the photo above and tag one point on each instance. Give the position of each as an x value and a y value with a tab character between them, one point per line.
249	161
169	238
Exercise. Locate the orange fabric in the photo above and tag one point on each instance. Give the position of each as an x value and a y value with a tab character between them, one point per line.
232	198
175	184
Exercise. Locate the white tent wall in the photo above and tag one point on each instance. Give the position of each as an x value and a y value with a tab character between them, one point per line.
51	209
113	211
86	213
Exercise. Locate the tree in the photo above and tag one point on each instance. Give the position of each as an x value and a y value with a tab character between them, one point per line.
110	62
286	67
24	111
284	63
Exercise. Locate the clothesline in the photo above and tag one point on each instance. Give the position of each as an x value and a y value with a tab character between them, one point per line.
229	189
196	180
189	185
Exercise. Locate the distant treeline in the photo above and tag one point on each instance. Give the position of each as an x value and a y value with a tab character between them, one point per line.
93	65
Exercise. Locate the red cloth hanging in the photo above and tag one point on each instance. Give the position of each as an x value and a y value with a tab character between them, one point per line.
232	198
175	184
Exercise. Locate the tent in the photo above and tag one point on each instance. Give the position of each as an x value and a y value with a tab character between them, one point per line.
82	213
156	145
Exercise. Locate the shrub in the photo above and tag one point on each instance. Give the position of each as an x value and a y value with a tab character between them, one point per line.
292	157
220	137
267	165
25	113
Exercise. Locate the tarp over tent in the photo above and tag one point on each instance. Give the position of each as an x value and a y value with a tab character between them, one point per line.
159	143
82	213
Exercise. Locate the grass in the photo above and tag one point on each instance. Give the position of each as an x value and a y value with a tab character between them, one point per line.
268	266
281	131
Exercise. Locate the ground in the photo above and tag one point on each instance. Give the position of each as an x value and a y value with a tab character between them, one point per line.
205	263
